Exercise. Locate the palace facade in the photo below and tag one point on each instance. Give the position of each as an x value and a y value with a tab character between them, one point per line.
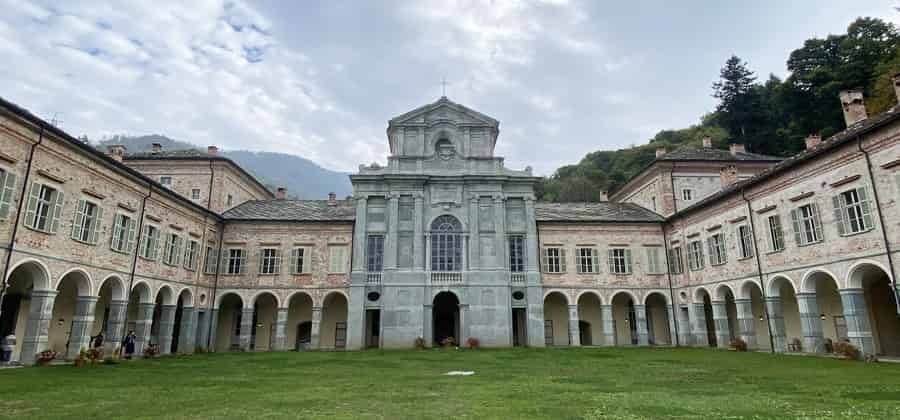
702	247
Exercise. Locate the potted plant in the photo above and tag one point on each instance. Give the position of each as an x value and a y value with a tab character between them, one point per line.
845	350
739	344
82	358
473	343
45	357
94	355
151	351
448	342
420	343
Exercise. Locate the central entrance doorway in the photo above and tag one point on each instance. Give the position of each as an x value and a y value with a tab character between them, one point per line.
445	317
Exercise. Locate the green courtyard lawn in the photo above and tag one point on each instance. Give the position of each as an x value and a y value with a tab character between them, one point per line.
519	383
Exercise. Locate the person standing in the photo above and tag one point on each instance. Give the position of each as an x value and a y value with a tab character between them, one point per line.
129	343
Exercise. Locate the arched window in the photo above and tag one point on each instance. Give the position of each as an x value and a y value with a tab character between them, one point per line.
446	244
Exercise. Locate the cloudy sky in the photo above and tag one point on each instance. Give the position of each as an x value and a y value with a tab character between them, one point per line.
564	77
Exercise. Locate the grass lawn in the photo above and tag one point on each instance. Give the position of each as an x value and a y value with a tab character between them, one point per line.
519	383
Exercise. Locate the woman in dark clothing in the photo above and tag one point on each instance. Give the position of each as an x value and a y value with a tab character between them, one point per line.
129	344
98	340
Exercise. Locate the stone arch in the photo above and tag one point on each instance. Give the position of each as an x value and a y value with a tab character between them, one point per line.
664	296
659	324
117	286
556	318
187	297
232	329
225	294
557	291
166	295
299	319
589	292
36	270
261	293
298	293
745	290
143	292
330	295
808	281
333	328
700	293
590	318
774	286
630	294
625	317
445	130
855	273
82	279
722	291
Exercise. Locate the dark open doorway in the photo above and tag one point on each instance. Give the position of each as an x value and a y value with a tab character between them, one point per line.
445	317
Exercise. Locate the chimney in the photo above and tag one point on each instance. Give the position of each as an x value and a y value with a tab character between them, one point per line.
156	148
213	150
332	199
280	193
728	175
660	151
812	141
116	151
707	142
604	195
853	105
896	80
736	148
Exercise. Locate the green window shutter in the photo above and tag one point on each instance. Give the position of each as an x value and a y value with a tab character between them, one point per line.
308	259
545	260
58	203
166	248
132	227
30	209
595	259
610	261
179	245
277	261
243	260
7	187
154	244
78	220
795	219
627	261
295	255
95	232
117	220
866	207
817	221
840	214
562	260
259	259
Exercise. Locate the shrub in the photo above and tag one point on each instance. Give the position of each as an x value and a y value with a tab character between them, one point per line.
449	342
420	343
846	350
473	343
151	351
94	355
739	344
45	357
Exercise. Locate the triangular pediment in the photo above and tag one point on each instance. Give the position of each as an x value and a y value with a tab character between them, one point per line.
443	110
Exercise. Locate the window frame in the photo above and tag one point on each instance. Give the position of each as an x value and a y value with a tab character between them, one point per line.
853	207
375	253
776	233
332	261
695	255
124	234
557	261
654	265
191	254
744	236
301	254
172	250
269	261
211	260
807	227
86	226
687	194
718	251
163	181
587	260
516	248
619	265
676	260
195	193
235	261
7	191
149	242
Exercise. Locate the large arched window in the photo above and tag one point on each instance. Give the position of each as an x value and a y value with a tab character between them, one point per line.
446	244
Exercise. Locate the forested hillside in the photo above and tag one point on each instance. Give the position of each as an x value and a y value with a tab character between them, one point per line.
770	116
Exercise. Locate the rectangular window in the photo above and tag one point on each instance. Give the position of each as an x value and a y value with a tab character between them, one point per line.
7	187
269	261
166	181
776	235
587	260
86	223
717	254
209	266
375	253
44	209
299	258
235	261
123	234
695	255
195	194
687	194
619	260
676	262
745	241
150	242
554	260
852	211
229	200
807	225
516	254
191	252
172	250
654	260
337	259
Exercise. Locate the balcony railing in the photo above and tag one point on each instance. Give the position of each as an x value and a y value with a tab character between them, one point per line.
517	278
446	277
373	278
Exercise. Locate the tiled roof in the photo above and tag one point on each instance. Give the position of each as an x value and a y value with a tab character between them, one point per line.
851	133
173	154
294	210
708	153
593	212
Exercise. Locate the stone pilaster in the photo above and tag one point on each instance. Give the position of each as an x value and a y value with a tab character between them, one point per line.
701	338
535	311
474	239
427	332
531	243
640	320
810	323
115	326
142	327
427	252
211	329
684	326
500	230
673	339
574	332
609	331
720	319
315	328
39	314
166	328
80	336
746	322
776	320
463	323
856	313
280	341
359	236
246	329
187	331
418	232
393	217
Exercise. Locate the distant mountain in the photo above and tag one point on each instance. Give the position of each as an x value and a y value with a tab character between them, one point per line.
302	177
